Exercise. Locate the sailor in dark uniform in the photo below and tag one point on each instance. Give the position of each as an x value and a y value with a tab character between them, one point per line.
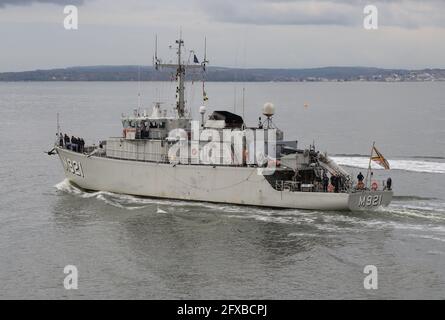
325	182
389	183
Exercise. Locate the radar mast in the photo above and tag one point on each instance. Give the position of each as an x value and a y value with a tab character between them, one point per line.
181	68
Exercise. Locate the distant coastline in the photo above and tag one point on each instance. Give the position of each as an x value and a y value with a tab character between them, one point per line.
144	73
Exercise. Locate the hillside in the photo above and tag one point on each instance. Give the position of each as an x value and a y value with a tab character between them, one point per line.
133	73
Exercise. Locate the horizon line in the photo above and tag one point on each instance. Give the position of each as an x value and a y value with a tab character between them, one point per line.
229	67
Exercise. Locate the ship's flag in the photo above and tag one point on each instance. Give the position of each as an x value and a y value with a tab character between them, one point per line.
195	59
379	158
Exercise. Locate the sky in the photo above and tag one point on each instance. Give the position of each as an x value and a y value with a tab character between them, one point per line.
240	33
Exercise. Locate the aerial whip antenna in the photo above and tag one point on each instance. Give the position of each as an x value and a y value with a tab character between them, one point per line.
139	87
156	60
205	61
204	64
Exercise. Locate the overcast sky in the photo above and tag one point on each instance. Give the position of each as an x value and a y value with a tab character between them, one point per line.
240	33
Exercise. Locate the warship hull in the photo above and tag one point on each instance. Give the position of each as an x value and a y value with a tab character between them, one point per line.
219	184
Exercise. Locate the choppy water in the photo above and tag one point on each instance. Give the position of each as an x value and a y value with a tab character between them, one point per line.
133	247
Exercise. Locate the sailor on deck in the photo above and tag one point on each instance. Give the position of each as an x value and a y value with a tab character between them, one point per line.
325	182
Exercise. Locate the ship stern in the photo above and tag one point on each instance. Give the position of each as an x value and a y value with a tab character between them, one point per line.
369	200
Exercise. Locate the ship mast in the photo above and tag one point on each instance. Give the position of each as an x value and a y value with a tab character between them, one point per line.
180	73
180	77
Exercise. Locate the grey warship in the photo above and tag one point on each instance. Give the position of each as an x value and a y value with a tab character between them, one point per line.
214	159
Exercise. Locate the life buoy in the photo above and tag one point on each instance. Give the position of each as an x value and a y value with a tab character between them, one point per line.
194	152
374	186
330	188
360	185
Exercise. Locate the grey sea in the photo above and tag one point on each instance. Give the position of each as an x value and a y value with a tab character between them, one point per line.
129	247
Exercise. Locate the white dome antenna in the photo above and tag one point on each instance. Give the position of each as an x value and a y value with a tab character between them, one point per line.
268	109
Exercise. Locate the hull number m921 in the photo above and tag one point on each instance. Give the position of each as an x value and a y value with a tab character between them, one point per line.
74	167
370	201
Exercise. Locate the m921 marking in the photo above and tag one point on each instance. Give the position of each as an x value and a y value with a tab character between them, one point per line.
370	201
75	167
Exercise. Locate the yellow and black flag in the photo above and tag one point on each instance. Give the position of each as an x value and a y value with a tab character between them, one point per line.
379	158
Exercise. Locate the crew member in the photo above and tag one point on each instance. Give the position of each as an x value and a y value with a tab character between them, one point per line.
360	177
388	183
339	183
325	182
334	182
67	140
61	140
74	144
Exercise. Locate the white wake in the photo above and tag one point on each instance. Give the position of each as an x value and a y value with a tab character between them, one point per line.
407	165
